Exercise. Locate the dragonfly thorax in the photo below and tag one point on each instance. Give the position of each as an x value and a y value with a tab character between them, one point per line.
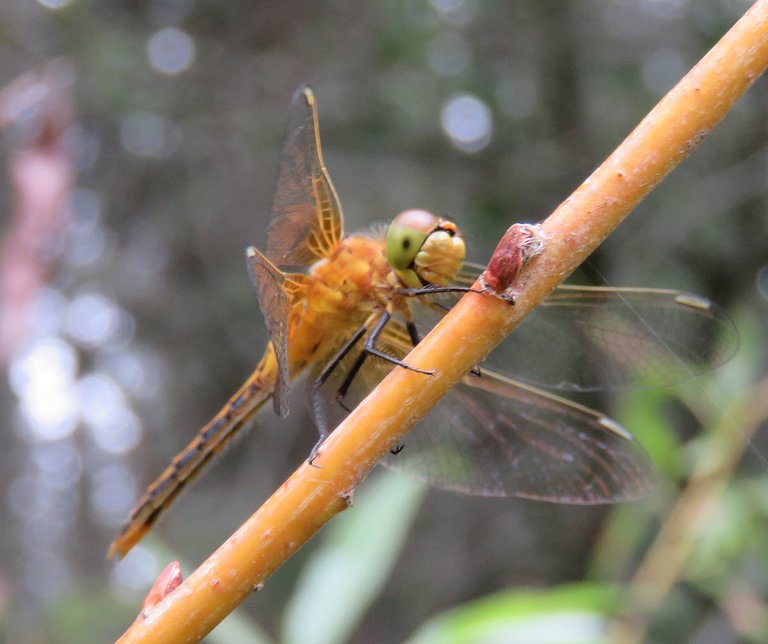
424	249
337	295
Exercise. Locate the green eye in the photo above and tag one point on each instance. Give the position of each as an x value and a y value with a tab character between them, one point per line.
424	249
405	237
402	244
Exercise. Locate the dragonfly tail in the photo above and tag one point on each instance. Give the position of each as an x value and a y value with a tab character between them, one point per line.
236	414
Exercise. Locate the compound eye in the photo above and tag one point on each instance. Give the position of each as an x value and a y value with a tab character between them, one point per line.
406	235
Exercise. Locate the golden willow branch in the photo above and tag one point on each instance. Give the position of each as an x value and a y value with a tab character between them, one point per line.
312	495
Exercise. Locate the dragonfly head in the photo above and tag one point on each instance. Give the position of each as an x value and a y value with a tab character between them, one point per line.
423	249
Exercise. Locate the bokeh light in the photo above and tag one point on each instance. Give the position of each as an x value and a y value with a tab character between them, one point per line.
54	4
456	12
114	426
43	376
171	50
762	282
87	239
59	464
92	319
467	122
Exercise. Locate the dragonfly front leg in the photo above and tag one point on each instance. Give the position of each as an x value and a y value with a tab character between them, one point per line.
431	290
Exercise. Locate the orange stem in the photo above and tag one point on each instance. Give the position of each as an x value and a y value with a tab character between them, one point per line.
312	495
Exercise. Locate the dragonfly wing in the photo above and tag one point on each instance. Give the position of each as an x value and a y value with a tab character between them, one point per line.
274	301
306	219
589	338
493	437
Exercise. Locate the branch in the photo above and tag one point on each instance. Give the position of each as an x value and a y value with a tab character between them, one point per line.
312	495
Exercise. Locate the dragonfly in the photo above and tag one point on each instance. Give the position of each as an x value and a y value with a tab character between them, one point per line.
346	310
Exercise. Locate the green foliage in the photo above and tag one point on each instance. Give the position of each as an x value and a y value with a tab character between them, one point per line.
350	567
574	613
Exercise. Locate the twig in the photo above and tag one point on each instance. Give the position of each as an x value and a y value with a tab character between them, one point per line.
312	495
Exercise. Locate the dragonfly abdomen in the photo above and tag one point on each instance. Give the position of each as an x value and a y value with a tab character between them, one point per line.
222	428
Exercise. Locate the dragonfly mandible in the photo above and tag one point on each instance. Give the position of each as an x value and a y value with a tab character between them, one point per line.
363	301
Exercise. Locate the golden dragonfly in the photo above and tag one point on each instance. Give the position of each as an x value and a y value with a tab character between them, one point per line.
364	300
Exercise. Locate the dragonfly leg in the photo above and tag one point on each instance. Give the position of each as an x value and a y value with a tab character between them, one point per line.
370	349
317	407
415	336
341	393
430	290
413	332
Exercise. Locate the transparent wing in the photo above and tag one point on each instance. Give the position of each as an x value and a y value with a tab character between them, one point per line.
589	338
306	220
494	437
274	301
606	338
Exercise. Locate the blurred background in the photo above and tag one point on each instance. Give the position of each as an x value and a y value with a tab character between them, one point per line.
140	141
